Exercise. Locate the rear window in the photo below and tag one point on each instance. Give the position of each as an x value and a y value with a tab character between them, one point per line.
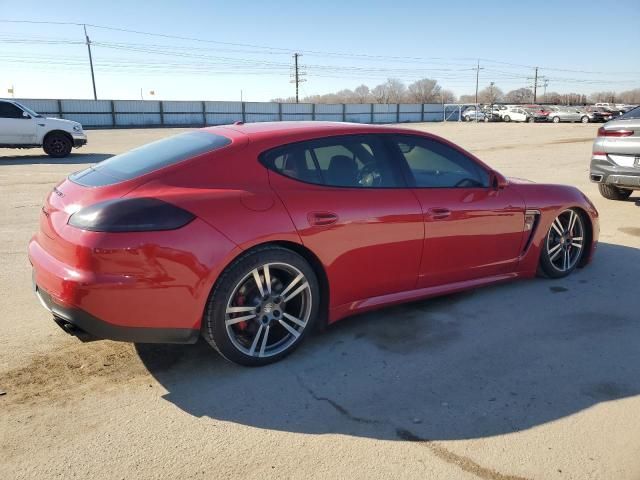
148	158
632	114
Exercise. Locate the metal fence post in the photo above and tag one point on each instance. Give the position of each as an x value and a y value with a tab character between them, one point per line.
204	114
397	113
344	112
422	114
279	111
313	111
243	112
372	113
161	113
60	108
113	113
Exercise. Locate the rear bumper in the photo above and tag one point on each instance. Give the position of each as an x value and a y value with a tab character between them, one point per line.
605	171
86	327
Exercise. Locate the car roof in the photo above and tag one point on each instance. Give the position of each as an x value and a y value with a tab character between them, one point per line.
269	130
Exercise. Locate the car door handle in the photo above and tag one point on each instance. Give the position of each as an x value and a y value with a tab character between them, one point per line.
322	218
439	213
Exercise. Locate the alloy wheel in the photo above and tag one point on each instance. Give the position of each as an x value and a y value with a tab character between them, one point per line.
268	310
565	240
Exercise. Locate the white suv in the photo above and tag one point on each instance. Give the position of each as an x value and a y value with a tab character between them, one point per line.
21	127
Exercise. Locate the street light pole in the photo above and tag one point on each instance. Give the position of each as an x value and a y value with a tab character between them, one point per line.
93	78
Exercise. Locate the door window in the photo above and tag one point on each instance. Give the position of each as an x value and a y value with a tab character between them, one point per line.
357	161
9	110
436	165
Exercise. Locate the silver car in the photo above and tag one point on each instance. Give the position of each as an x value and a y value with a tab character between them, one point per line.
615	161
568	114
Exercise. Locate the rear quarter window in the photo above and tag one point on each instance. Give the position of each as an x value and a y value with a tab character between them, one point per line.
148	158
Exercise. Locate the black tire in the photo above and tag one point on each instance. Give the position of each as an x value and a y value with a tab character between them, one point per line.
214	323
613	193
531	120
57	145
555	119
584	119
506	118
547	268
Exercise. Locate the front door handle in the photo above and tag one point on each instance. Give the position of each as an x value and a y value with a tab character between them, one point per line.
439	213
322	218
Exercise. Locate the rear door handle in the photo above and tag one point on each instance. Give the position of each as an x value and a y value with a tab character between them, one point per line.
439	213
322	218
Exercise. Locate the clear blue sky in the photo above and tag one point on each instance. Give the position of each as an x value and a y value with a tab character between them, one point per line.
358	42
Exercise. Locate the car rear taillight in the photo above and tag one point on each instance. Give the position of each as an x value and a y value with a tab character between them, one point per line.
603	132
130	215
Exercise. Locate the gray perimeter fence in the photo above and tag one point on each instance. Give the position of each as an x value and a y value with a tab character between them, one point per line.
155	113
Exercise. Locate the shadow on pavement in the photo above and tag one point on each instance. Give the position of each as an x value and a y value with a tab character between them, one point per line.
471	365
74	158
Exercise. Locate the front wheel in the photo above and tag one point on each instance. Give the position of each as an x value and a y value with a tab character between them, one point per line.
262	307
584	119
507	118
555	119
564	245
531	119
57	145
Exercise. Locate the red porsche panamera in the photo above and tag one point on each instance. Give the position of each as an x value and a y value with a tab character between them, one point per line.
250	234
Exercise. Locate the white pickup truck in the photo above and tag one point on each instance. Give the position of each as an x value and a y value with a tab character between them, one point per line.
21	127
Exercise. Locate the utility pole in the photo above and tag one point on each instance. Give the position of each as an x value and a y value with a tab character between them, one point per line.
546	82
535	86
297	75
477	79
93	78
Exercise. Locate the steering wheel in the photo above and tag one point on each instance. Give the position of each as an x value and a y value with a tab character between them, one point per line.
369	176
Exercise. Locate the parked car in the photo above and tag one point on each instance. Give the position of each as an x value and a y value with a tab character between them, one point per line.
536	115
598	114
615	161
471	114
21	127
249	235
514	114
568	114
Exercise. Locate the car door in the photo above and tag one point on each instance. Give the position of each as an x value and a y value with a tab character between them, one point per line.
15	127
351	207
472	229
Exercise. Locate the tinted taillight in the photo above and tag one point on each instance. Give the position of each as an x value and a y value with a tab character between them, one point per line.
130	215
603	132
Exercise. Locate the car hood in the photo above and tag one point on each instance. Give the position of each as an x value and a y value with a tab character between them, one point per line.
519	181
61	123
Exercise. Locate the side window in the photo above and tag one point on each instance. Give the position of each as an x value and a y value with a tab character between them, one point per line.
436	165
358	161
9	110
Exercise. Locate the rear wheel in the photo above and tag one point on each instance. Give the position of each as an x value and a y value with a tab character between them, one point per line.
555	119
57	145
262	307
531	119
584	119
506	118
613	193
564	245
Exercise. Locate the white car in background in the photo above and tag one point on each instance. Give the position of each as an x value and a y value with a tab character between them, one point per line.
514	114
21	127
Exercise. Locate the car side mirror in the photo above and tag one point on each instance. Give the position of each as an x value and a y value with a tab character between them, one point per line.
498	181
25	115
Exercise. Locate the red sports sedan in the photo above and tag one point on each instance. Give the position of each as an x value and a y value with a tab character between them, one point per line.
251	234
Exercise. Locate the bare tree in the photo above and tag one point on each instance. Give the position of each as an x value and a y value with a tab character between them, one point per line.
362	94
520	95
447	96
603	97
630	96
467	99
490	94
424	91
391	91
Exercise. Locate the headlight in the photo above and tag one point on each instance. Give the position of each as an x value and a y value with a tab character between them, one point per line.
77	128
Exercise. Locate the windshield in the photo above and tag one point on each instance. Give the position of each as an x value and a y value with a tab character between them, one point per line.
29	111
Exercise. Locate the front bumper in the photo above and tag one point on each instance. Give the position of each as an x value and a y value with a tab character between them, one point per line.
79	139
605	171
86	327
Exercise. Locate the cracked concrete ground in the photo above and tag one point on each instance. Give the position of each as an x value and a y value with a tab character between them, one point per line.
529	380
